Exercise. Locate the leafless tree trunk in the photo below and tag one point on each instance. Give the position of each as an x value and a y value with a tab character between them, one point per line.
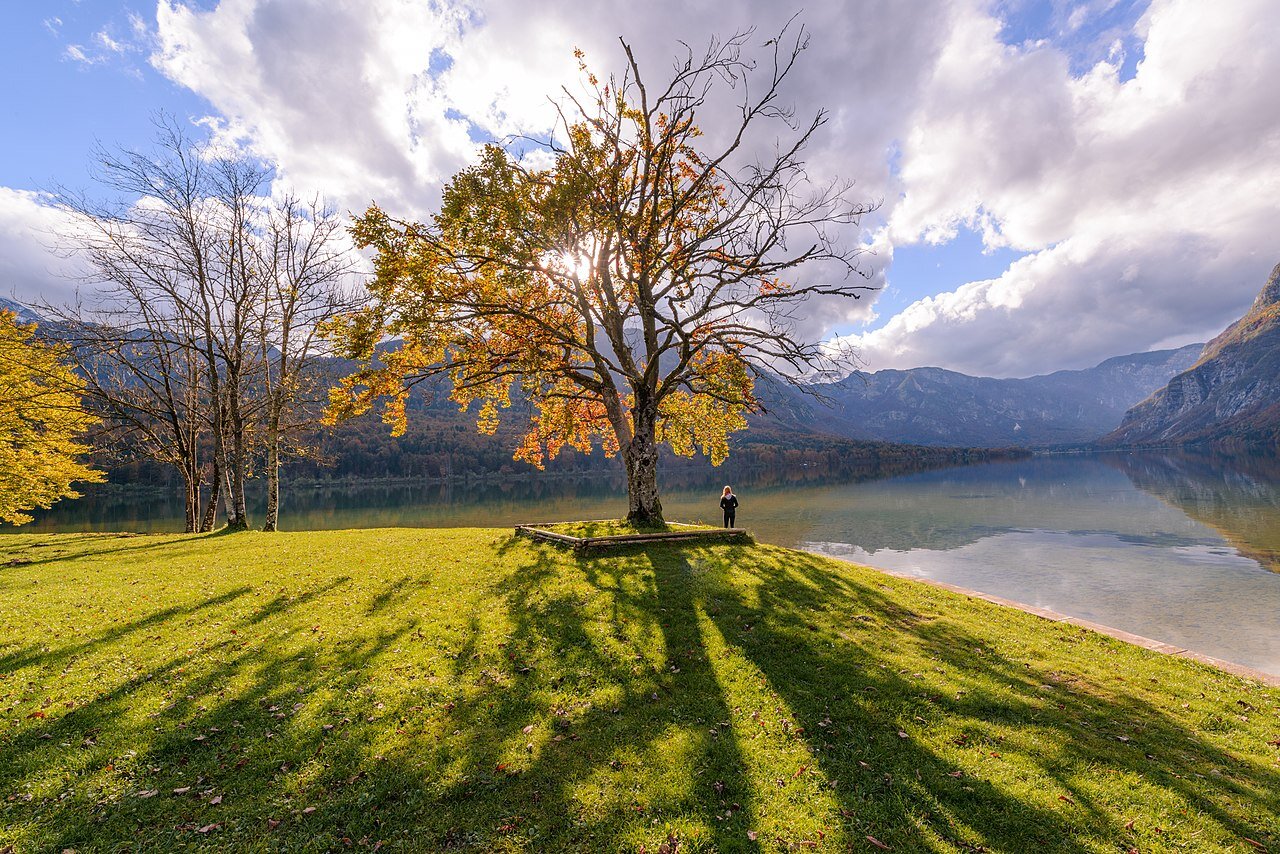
305	260
215	491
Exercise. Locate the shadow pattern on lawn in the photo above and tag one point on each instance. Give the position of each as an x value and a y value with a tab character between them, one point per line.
545	709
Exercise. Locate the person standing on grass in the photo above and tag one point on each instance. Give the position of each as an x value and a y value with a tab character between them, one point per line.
729	504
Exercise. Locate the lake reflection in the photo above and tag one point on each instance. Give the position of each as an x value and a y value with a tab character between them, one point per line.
1177	547
1173	547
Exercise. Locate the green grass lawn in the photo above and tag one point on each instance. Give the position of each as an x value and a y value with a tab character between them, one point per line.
619	527
421	690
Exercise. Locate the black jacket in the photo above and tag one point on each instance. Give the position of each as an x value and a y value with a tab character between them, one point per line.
729	502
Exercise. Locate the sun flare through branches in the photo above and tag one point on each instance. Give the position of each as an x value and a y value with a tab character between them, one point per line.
631	291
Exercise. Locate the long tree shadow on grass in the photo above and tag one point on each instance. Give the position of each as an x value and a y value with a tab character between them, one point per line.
598	723
913	713
590	703
271	734
15	550
231	723
46	656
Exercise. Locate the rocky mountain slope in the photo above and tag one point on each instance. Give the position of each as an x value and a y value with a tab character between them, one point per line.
1232	393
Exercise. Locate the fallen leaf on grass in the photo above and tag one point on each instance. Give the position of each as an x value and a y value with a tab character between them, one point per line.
901	734
1128	825
1068	800
273	823
956	774
308	810
752	835
36	715
149	793
527	729
214	801
1254	843
877	843
208	827
182	790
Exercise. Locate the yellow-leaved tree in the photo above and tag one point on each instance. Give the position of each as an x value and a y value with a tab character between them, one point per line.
626	282
41	418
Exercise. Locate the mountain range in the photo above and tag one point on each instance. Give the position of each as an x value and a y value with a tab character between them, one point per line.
938	407
1230	394
933	406
24	314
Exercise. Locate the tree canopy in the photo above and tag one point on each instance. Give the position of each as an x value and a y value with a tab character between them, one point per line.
41	420
628	279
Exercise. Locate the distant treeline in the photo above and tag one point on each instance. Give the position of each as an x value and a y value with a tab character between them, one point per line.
443	443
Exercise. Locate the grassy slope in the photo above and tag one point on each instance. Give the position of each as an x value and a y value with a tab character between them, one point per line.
426	689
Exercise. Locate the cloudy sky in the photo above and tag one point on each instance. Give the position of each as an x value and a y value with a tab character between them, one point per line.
1060	181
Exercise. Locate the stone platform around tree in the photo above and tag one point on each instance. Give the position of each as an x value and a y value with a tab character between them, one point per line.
690	534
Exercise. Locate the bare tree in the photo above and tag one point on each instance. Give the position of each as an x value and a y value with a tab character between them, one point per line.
147	383
197	282
303	259
150	253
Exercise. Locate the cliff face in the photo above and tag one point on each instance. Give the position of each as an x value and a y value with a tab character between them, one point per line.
1232	393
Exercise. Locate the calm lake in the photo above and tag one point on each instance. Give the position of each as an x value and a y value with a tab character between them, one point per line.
1180	547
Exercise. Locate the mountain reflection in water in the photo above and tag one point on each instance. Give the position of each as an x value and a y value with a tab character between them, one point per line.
1177	547
1237	494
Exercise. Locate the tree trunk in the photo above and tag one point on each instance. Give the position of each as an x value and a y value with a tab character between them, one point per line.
239	516
641	459
236	516
192	499
273	481
215	493
224	470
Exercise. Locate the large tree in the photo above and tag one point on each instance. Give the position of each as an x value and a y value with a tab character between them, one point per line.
41	422
630	279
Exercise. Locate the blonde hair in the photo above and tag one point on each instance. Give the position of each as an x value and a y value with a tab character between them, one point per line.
727	491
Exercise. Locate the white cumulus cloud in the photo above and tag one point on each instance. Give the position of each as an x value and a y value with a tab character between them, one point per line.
1144	204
